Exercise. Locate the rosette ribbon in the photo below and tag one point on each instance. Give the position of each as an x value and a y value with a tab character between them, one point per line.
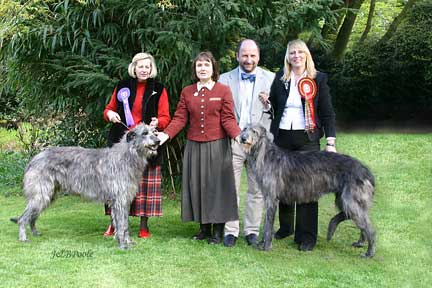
123	96
308	89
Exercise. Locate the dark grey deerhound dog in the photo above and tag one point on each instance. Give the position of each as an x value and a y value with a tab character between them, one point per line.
304	177
109	175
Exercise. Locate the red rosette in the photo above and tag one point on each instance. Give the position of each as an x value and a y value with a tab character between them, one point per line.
307	88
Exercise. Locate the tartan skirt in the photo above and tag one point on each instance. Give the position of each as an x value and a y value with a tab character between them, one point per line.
148	199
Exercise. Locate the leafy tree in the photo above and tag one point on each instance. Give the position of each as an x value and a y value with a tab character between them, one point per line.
369	21
67	55
344	33
392	79
393	27
64	57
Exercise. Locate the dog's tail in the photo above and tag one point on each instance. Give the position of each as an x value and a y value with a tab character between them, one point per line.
14	219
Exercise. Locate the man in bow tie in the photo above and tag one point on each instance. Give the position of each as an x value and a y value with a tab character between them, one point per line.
250	86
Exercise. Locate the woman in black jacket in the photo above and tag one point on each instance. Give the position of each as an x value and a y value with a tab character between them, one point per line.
303	113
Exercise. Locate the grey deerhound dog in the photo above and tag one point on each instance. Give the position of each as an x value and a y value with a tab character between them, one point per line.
304	177
109	175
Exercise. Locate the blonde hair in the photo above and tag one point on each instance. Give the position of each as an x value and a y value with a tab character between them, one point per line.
310	65
142	56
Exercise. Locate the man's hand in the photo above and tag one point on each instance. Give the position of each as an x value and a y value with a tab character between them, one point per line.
263	96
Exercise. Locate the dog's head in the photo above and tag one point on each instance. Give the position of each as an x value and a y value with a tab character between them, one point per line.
143	138
251	135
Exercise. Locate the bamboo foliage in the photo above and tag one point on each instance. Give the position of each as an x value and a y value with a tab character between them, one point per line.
66	56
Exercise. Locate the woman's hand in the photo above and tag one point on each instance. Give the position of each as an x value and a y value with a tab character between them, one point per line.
163	137
113	116
154	122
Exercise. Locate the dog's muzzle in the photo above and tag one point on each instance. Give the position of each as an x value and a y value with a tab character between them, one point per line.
244	137
155	145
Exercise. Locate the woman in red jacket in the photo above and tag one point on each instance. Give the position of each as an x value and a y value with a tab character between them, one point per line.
209	195
137	99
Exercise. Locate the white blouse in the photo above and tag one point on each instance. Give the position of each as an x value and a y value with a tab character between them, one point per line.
293	115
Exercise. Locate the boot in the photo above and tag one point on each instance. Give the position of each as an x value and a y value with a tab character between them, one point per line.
204	232
218	230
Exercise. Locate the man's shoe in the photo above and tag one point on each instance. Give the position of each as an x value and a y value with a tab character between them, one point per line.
305	246
229	240
252	239
282	234
109	231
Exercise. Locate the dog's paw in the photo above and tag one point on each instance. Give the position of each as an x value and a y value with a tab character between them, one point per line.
262	246
123	247
366	255
358	244
131	243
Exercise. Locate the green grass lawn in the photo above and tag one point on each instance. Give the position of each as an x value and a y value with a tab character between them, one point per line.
402	164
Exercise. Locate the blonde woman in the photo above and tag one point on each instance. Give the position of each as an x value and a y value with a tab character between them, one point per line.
137	99
303	113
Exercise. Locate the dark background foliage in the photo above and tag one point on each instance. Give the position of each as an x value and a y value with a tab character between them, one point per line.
60	60
390	80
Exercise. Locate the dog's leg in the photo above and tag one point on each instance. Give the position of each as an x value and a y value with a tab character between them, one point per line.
266	244
370	236
363	223
362	239
121	219
33	229
128	240
40	191
334	222
114	218
116	222
25	219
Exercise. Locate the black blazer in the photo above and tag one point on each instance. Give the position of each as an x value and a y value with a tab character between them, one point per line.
324	113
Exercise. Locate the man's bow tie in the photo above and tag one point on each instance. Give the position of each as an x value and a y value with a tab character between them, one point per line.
250	77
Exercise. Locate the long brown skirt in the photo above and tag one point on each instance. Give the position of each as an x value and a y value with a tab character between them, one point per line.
209	194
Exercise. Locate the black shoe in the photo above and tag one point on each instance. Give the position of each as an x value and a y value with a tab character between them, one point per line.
215	240
252	239
280	234
204	232
229	240
217	236
305	246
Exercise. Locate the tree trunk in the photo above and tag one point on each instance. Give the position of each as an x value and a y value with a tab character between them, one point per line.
332	28
369	22
393	26
345	30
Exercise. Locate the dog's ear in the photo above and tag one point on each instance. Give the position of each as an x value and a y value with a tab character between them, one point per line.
130	136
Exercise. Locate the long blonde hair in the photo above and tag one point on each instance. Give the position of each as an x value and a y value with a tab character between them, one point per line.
310	65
